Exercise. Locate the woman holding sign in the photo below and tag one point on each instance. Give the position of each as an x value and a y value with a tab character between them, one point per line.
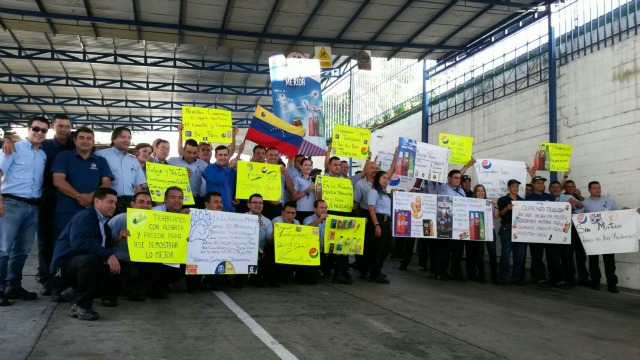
475	249
304	191
380	212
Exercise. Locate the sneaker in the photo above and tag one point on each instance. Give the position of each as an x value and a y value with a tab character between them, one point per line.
20	293
82	313
613	290
542	283
45	291
3	300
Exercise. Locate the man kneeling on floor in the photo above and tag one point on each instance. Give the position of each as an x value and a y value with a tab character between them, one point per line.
82	259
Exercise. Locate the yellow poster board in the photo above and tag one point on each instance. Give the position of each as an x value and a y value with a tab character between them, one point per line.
259	178
559	156
206	124
344	235
296	244
336	192
350	142
158	236
160	177
461	147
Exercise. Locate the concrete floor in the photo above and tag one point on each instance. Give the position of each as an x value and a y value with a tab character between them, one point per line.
415	317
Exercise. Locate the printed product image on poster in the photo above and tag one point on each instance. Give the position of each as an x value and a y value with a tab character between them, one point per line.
445	217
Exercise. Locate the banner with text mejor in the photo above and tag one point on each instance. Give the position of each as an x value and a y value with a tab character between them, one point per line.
608	232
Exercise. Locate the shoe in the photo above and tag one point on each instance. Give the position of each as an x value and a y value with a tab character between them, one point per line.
380	280
560	284
68	295
45	292
595	287
542	283
3	300
109	303
82	313
585	283
383	275
342	280
517	282
613	290
20	293
402	267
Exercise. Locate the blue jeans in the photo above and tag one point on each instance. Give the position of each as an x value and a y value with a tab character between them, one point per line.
507	248
17	233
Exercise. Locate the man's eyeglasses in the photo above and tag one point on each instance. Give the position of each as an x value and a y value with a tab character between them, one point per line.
37	129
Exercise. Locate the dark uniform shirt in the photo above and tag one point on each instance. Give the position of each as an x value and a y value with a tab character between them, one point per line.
502	203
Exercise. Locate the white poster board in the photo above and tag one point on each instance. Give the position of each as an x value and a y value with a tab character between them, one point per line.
414	215
495	174
222	243
472	219
397	181
545	222
609	232
432	162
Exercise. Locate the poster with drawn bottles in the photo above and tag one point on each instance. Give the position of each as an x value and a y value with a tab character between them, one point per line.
445	217
297	95
422	160
384	160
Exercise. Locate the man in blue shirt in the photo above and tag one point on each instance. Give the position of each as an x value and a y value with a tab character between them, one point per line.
195	168
562	251
450	251
128	175
221	177
21	177
279	273
77	174
61	141
256	204
318	219
82	258
597	203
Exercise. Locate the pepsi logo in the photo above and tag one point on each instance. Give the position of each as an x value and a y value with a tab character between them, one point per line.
445	139
486	164
582	219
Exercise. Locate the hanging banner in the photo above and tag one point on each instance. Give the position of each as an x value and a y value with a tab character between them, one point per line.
608	232
444	217
461	147
296	244
259	178
222	243
384	160
160	177
323	54
553	157
495	174
422	160
157	236
206	124
336	192
297	99
545	222
350	142
344	235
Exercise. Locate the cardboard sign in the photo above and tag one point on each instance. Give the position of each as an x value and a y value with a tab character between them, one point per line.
608	232
344	235
161	176
350	142
336	192
296	244
495	175
206	124
259	178
157	236
461	147
543	222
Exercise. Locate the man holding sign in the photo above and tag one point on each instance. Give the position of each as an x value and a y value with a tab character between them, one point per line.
81	252
195	168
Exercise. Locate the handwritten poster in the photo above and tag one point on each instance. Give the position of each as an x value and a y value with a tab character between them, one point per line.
296	244
161	176
258	178
222	243
461	147
422	160
206	124
553	157
157	236
445	217
344	235
350	141
495	174
396	181
544	222
608	232
336	192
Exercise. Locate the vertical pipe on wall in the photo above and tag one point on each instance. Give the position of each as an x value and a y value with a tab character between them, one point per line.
425	104
553	107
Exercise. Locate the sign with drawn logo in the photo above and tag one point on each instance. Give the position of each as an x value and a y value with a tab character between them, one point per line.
609	232
422	160
222	243
495	175
350	141
259	178
296	244
544	222
157	236
206	124
160	177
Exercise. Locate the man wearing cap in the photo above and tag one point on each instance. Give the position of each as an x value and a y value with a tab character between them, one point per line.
505	207
565	252
465	184
538	270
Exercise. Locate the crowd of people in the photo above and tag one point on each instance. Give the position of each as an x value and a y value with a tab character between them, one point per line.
76	198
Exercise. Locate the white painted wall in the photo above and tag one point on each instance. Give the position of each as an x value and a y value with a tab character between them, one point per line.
598	113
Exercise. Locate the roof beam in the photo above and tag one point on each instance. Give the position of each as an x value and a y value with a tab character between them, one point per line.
182	7
89	13
120	103
134	5
110	122
507	3
42	9
351	20
131	85
392	19
225	21
424	27
274	8
239	33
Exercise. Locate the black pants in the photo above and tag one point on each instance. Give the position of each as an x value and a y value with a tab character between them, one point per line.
123	203
275	273
554	262
309	275
340	264
493	258
568	264
450	257
609	269
475	260
46	240
538	269
423	253
406	246
363	262
139	276
91	278
581	256
381	246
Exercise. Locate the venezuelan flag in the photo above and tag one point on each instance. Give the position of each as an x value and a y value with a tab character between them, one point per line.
268	130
